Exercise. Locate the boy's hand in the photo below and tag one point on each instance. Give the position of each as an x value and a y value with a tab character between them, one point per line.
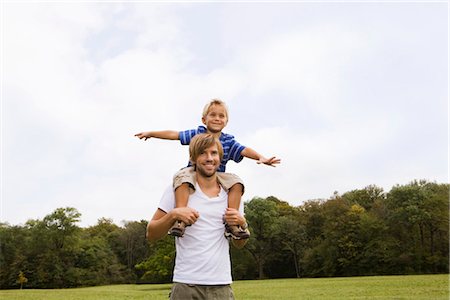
269	161
143	135
164	134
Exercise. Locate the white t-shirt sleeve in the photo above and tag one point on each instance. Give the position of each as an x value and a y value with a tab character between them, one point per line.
167	202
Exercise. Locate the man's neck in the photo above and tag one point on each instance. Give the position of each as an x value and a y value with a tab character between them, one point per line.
209	185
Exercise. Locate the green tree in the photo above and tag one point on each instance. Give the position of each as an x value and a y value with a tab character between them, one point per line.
104	228
21	279
261	215
243	264
158	267
436	222
290	237
377	245
132	246
418	219
13	253
62	228
313	218
53	244
350	244
366	197
97	264
418	214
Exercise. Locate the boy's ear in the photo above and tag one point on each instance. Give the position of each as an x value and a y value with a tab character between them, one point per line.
203	120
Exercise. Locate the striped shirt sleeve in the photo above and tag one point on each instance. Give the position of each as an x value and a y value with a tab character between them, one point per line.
186	136
235	151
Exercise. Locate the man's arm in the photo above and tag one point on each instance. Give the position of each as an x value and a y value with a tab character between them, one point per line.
161	222
250	153
164	134
233	217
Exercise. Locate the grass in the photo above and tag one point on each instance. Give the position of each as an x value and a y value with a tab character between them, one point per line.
371	287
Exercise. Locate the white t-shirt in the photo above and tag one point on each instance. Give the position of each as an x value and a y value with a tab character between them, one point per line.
202	254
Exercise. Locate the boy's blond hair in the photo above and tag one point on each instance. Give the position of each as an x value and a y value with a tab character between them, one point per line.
200	142
214	102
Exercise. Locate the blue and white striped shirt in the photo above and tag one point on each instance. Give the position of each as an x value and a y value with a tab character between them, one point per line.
231	149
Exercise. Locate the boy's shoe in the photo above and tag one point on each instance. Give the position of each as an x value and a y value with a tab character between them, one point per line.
236	232
177	229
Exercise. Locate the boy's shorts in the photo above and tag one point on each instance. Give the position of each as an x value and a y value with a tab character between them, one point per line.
187	175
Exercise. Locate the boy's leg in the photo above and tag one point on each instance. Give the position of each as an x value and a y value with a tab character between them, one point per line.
183	183
181	200
235	195
235	187
234	200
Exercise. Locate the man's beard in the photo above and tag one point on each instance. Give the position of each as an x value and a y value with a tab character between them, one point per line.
205	173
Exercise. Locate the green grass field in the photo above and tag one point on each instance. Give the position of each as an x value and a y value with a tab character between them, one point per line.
376	287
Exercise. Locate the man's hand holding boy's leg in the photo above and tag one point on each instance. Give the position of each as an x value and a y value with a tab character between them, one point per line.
235	225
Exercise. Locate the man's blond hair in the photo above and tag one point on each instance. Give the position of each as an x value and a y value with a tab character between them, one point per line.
214	102
200	143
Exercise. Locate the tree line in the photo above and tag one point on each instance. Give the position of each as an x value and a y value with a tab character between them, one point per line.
361	232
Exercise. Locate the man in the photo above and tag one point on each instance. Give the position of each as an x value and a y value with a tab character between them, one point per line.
202	264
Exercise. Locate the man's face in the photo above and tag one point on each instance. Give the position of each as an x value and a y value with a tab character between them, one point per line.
208	161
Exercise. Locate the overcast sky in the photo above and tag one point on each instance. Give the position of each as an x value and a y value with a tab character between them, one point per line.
347	94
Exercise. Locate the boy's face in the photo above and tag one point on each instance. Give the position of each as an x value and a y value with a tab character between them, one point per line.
216	119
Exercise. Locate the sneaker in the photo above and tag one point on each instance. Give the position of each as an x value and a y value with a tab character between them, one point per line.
177	229
236	232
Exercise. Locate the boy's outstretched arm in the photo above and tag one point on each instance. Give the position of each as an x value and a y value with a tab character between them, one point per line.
250	153
164	134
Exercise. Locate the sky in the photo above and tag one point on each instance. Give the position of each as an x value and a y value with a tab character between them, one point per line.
347	94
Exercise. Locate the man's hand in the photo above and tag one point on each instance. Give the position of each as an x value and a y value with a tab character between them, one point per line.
269	161
233	217
143	135
186	214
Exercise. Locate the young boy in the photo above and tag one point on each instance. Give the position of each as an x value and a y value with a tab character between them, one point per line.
215	118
